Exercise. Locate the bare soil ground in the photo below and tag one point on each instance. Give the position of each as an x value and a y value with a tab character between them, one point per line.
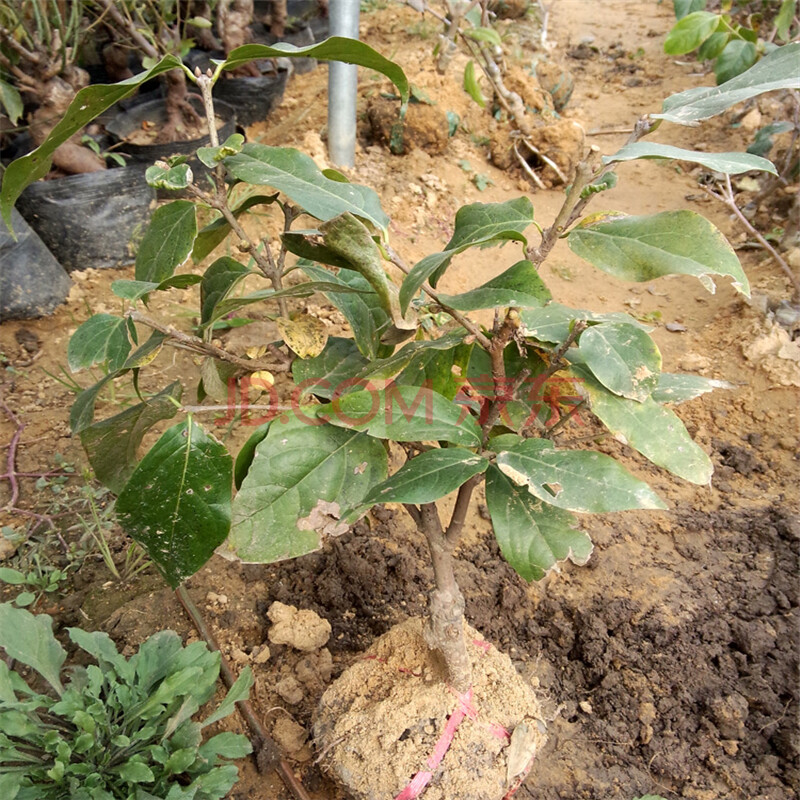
669	664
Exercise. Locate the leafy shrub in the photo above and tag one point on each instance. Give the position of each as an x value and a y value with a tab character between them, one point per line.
120	729
732	45
461	402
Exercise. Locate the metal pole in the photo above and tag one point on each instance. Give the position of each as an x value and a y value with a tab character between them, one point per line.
342	86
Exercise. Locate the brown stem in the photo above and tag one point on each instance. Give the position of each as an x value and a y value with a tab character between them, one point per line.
444	631
574	204
266	750
459	515
729	199
129	27
465	322
277	21
264	261
194	344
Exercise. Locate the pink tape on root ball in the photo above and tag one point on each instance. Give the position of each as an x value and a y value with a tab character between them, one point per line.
418	783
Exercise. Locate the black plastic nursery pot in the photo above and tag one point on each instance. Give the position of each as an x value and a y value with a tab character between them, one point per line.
154	112
32	282
301	35
254	98
90	220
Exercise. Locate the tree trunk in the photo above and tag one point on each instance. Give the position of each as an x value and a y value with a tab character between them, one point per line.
54	97
277	22
445	629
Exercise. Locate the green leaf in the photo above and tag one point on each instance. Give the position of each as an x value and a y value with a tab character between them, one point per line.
533	536
349	238
737	57
656	432
211	156
11	102
231	304
102	339
135	772
428	477
167	241
10	784
728	163
364	312
298	244
88	104
135	290
763	142
239	691
100	646
554	322
404	414
213	234
12	577
216	783
472	86
684	7
713	46
302	475
225	745
440	370
784	19
644	248
112	445
390	366
335	48
162	176
623	358
218	280
478	224
82	411
519	286
298	177
326	373
29	638
690	32
679	388
488	35
778	70
177	502
575	480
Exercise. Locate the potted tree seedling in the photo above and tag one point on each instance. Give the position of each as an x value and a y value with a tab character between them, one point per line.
421	385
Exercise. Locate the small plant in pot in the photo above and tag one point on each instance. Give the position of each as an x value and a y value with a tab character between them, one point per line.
421	384
39	45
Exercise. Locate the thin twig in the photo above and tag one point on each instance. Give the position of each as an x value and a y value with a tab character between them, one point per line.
728	198
465	322
194	344
11	474
267	751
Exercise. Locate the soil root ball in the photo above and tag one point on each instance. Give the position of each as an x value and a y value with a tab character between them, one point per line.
425	127
380	722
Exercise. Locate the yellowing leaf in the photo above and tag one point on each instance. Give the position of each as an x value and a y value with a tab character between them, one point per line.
600	216
262	380
304	335
256	351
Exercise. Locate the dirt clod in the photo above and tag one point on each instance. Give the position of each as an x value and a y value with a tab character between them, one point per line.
302	629
425	126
